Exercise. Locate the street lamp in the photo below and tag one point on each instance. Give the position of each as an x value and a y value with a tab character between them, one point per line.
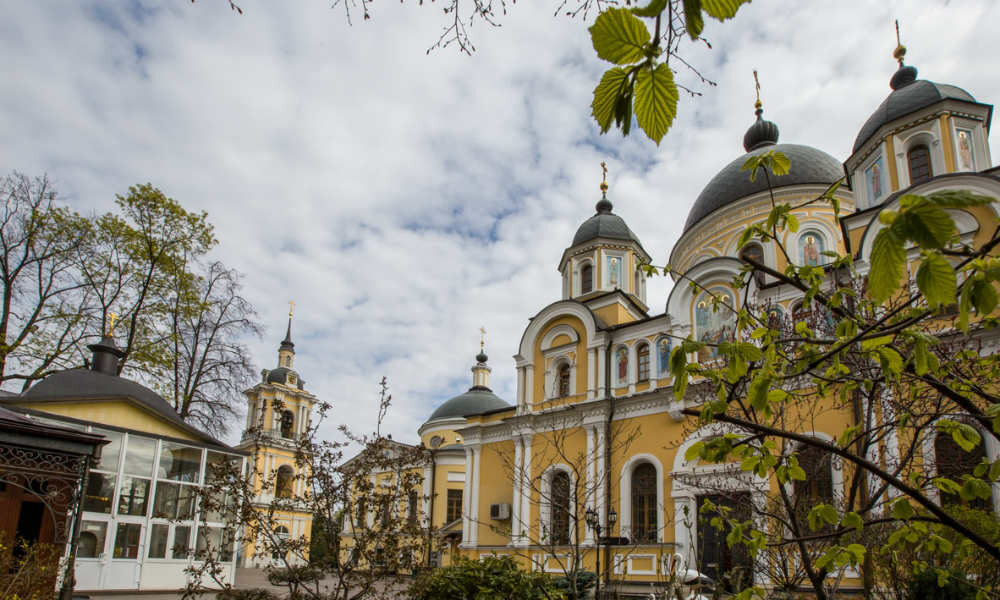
594	522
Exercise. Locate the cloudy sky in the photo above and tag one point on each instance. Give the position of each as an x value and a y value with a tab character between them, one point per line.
404	199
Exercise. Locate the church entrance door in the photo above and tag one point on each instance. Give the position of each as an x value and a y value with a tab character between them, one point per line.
732	566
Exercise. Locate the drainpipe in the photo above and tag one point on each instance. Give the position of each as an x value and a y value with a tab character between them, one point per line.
607	455
430	512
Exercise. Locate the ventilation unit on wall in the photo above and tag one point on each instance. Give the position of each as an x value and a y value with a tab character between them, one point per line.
500	512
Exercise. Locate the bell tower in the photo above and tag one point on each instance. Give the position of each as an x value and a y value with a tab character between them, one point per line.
278	415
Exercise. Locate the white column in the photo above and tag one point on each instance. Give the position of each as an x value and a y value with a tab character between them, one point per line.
520	389
591	373
602	385
466	496
525	511
250	405
476	454
591	489
515	505
633	367
427	491
529	388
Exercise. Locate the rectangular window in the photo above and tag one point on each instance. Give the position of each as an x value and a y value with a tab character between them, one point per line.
92	536
133	496
100	491
454	506
411	509
127	540
158	540
180	463
643	362
139	456
182	542
111	451
173	501
212	541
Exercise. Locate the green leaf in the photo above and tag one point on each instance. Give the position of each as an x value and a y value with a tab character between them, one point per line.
693	20
652	9
655	100
694	451
958	199
901	509
722	9
852	520
983	296
876	342
606	96
936	279
926	224
892	361
619	36
887	260
780	165
965	436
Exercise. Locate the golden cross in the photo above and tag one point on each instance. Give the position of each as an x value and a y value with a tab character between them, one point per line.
291	305
900	50
112	317
604	171
482	338
756	84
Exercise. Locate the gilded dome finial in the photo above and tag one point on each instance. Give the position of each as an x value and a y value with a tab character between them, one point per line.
604	177
758	105
112	317
900	50
482	339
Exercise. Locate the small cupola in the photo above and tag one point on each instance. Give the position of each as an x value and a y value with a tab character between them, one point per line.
286	351
106	355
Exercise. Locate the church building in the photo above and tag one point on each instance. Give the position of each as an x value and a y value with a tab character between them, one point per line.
594	425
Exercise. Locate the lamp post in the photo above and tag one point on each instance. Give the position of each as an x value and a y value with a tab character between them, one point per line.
594	522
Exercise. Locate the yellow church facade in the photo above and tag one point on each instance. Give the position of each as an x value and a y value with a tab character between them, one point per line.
595	426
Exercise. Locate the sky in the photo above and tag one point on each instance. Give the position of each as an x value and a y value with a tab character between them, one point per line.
403	198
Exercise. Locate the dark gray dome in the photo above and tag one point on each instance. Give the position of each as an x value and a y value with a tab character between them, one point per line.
280	375
808	165
604	224
473	402
908	95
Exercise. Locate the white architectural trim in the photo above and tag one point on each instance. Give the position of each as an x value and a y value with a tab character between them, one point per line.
625	493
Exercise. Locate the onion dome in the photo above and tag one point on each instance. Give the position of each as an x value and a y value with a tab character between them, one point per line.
908	95
479	399
761	133
604	224
808	165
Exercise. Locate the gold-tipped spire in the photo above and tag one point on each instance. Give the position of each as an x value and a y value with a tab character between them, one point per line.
291	307
756	84
112	317
900	50
604	177
482	339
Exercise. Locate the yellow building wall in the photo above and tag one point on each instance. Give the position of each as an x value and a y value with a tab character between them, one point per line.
539	365
120	413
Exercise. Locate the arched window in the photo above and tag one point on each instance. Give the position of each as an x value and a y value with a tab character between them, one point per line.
643	362
287	424
818	485
288	361
953	462
283	482
621	365
559	500
586	278
563	382
280	539
411	507
755	253
919	160
644	509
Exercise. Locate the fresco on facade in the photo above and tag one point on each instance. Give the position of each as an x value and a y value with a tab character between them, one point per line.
614	266
663	355
811	248
966	155
874	179
714	324
621	363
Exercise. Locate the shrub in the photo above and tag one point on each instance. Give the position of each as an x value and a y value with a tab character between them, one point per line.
492	578
926	585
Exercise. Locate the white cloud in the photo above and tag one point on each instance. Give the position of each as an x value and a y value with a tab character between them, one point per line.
404	199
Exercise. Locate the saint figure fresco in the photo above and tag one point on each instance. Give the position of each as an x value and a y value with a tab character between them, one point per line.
873	177
614	271
714	325
663	355
621	360
966	157
812	248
